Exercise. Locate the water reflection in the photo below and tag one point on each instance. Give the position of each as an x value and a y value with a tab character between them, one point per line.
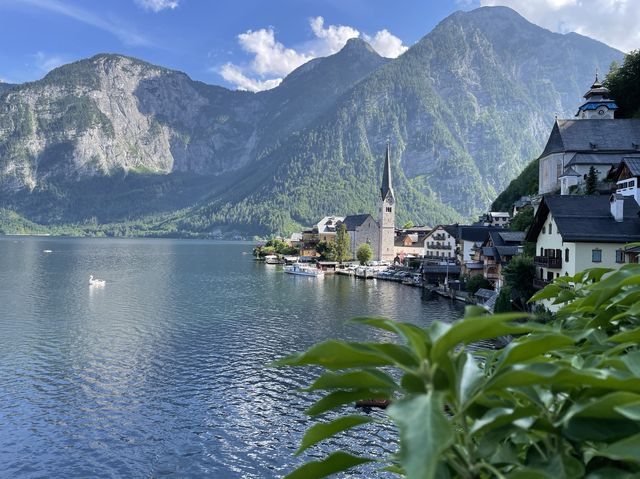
161	372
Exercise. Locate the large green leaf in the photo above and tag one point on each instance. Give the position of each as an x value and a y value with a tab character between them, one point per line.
339	355
469	377
362	379
561	377
627	449
334	463
425	432
603	407
532	346
321	431
416	337
476	328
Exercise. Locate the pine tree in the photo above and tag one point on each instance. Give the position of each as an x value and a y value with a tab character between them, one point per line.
343	244
591	185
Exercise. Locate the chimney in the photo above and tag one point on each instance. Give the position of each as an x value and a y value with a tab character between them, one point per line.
616	201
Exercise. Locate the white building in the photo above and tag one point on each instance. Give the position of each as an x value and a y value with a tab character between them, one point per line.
627	178
594	139
440	245
574	233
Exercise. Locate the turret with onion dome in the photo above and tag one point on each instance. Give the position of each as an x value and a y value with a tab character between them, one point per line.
598	105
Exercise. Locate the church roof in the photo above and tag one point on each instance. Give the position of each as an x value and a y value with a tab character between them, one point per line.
569	172
386	186
618	135
353	221
587	219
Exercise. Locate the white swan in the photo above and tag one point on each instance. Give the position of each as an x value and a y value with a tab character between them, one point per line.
96	282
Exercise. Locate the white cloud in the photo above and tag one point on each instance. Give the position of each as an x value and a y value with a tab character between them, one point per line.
270	57
272	60
158	5
234	75
46	63
614	22
332	38
386	44
114	26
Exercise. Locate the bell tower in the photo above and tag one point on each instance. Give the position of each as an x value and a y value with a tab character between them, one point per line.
387	217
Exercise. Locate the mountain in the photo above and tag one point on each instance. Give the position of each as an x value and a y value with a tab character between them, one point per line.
466	108
5	87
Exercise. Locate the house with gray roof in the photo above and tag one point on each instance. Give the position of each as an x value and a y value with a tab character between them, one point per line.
573	233
362	228
594	139
627	178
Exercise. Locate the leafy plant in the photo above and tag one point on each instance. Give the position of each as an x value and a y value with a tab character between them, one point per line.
364	253
561	400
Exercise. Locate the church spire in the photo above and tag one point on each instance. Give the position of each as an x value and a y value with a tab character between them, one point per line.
386	187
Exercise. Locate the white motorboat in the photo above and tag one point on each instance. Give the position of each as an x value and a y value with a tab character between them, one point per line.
303	270
271	259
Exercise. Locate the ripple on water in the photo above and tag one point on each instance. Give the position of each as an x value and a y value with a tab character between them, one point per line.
162	373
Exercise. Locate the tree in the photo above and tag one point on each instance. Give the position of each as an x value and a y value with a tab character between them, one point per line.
326	250
342	246
364	253
503	301
408	225
591	184
476	282
522	220
623	83
561	400
519	274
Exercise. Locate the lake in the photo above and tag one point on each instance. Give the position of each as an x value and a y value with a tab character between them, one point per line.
161	373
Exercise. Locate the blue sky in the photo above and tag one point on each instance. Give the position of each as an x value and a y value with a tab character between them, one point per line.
252	44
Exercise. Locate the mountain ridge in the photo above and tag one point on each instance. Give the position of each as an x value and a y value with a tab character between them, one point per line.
464	112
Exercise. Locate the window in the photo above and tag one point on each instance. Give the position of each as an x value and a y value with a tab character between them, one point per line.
544	230
619	256
550	228
541	252
388	209
566	255
596	255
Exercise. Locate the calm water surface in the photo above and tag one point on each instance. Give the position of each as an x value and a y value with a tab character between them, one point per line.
161	372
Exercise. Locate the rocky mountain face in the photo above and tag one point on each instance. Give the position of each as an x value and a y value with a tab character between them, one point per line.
465	108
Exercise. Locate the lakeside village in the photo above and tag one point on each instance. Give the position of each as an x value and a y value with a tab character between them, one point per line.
585	215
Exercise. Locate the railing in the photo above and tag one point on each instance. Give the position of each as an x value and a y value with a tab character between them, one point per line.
540	283
438	246
548	262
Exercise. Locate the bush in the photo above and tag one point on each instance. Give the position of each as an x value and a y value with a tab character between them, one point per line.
476	282
503	301
364	253
560	401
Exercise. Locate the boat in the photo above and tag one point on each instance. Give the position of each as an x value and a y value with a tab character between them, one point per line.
303	270
364	272
271	259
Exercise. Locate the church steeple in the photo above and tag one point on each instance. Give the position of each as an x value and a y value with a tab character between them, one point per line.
387	218
598	105
386	188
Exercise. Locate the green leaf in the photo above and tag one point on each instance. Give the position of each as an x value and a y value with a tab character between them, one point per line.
416	337
532	346
548	292
627	449
630	411
322	431
363	379
602	407
425	432
336	462
469	377
338	355
339	398
476	328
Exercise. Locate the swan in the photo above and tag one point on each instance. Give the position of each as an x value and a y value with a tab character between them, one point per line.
96	282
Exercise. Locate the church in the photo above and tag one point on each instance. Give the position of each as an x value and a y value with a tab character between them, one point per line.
593	138
380	234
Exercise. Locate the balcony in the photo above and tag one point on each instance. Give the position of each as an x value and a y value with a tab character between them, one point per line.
548	262
540	283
